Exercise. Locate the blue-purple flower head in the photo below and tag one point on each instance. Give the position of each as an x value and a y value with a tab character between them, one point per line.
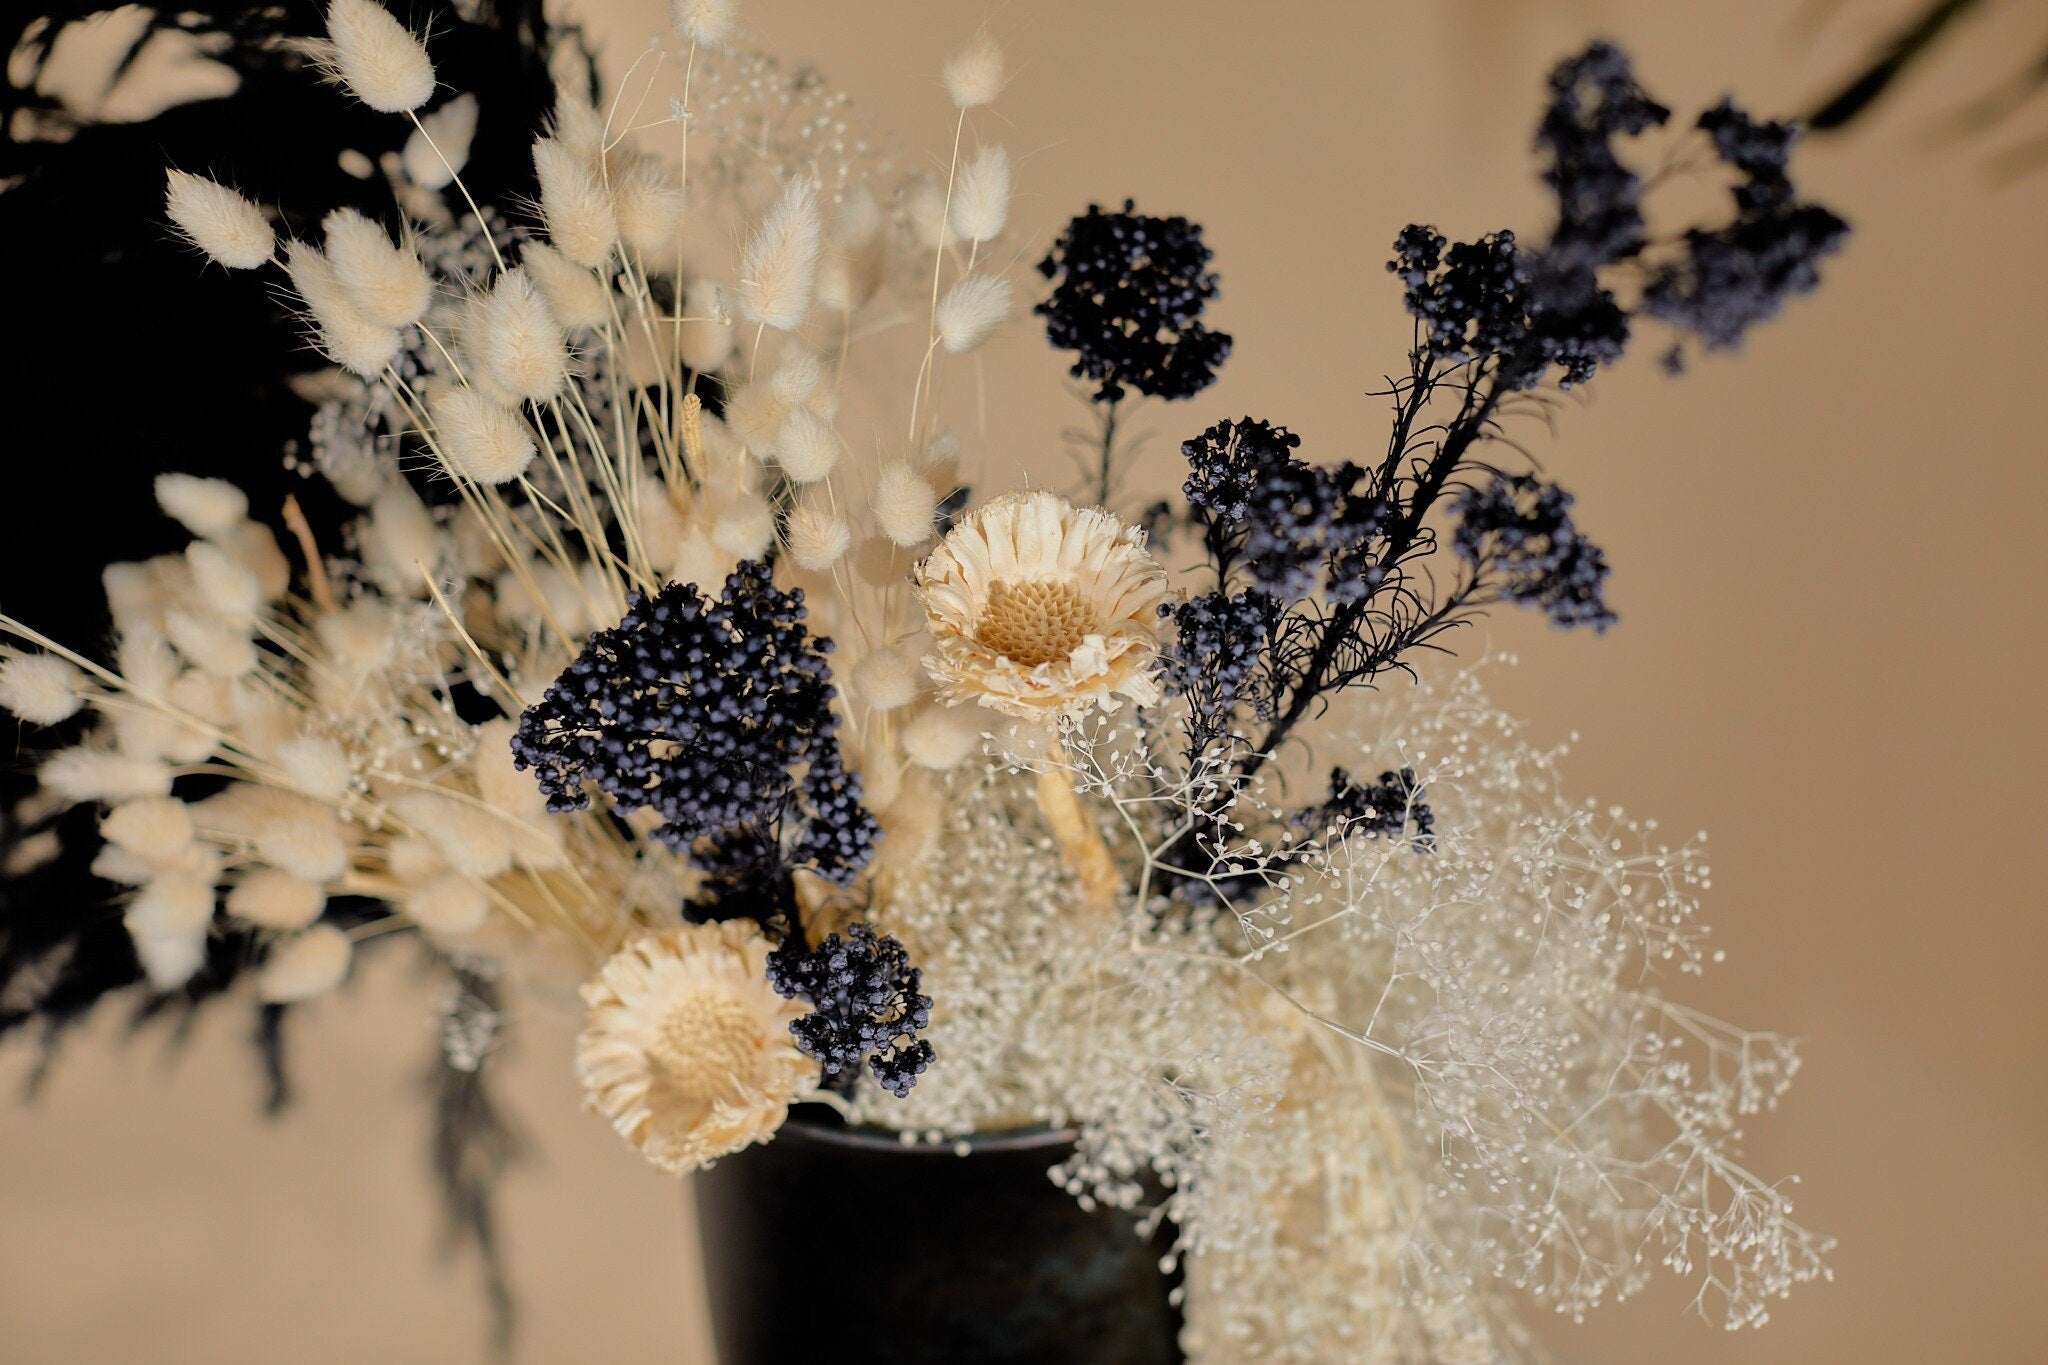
1128	295
714	713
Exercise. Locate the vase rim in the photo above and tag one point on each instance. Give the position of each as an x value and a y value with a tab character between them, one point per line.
804	1127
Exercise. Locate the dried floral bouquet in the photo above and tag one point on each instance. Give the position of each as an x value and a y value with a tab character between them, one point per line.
829	775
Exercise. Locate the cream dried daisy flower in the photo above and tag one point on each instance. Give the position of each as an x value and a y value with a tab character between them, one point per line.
687	1049
1038	608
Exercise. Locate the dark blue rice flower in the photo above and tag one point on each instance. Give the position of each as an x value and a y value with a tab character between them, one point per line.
716	714
1128	294
1522	528
865	1004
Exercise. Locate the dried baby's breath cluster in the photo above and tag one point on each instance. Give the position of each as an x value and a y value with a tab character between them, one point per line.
1391	1075
662	650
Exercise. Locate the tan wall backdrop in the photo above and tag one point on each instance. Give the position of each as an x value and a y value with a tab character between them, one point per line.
1828	560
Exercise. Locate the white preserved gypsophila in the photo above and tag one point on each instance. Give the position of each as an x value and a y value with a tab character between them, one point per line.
1473	1018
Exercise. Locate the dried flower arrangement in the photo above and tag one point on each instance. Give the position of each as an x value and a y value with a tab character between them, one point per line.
831	777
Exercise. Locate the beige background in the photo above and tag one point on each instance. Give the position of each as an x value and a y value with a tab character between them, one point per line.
1828	555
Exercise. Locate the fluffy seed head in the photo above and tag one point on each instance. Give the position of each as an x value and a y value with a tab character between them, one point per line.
974	75
940	451
400	546
903	504
706	339
317	766
145	660
971	310
212	643
348	338
981	198
169	960
707	23
797	376
745	529
858	259
577	125
156	828
573	203
806	447
222	582
944	737
817	537
41	689
755	413
648	202
306	843
698	561
451	127
80	774
480	440
575	295
888	678
228	228
475	841
382	64
205	507
930	217
176	903
516	340
448	904
308	964
779	267
276	900
255	549
384	280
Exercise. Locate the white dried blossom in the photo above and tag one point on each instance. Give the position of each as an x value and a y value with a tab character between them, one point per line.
1038	607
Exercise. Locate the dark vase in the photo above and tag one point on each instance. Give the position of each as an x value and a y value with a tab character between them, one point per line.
843	1245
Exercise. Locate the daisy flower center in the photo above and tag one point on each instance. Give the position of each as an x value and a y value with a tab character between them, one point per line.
1035	622
708	1041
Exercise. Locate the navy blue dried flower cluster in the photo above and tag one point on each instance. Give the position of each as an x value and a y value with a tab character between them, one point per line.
1730	278
1324	572
1220	659
1288	525
1385	807
1128	294
1530	314
865	1005
1523	527
716	715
